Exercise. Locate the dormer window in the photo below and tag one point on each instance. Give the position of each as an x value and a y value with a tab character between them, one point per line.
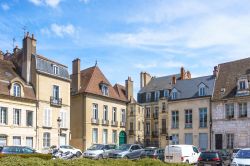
17	90
148	97
165	93
157	95
105	90
202	89
174	94
242	85
55	70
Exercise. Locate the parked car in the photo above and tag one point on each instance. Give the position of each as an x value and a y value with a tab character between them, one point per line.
235	151
242	157
128	151
68	148
181	154
155	153
99	151
16	150
217	158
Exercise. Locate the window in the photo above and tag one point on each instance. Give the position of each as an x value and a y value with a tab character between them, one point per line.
139	126
16	140
105	112
95	135
203	141
175	119
3	140
230	141
123	117
189	138
29	142
114	136
131	125
105	90
174	95
202	91
229	111
242	85
242	110
55	70
147	112
47	118
17	117
148	97
46	140
203	117
165	93
63	116
17	90
163	107
114	119
29	118
55	92
175	139
188	118
147	128
95	111
3	115
164	126
157	95
105	136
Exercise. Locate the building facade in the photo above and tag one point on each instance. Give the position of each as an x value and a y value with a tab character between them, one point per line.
98	109
43	88
231	106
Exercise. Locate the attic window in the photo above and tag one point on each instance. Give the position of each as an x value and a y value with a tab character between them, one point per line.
202	90
148	97
55	69
105	90
17	90
242	85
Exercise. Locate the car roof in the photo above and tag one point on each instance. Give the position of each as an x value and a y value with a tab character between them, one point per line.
245	149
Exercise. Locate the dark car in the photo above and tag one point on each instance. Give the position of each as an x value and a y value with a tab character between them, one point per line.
154	153
16	150
213	158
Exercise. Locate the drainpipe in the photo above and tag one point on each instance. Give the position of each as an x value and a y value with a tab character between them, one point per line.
210	123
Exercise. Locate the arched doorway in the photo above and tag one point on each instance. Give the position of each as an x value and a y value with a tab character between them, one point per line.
122	138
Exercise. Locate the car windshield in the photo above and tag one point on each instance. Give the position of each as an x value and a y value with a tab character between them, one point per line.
243	154
208	155
96	147
124	147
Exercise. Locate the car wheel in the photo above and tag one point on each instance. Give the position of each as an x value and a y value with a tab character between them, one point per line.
100	157
187	161
78	154
125	157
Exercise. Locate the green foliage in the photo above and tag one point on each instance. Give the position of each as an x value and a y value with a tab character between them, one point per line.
34	161
37	155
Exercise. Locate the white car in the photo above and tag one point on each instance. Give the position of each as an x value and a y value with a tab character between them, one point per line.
242	158
68	148
98	151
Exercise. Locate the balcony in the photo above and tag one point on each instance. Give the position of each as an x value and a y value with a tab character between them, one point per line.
155	115
155	134
57	102
105	122
114	123
122	124
164	131
131	132
95	121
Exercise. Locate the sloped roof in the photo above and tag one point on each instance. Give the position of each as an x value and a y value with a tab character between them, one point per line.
8	72
92	77
227	77
159	83
189	88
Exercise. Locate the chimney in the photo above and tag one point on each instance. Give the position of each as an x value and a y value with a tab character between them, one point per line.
215	72
129	89
29	48
1	55
182	73
173	80
145	78
188	75
76	75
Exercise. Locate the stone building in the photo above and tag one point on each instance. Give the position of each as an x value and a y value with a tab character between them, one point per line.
231	105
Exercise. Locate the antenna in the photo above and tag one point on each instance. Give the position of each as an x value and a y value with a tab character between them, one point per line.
24	30
96	63
13	42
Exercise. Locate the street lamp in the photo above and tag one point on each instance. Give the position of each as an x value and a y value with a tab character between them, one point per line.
59	128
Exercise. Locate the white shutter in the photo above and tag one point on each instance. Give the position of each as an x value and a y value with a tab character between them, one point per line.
49	117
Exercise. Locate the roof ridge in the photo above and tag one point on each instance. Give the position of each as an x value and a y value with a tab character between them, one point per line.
234	61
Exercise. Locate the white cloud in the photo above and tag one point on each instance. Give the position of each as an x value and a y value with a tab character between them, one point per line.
5	6
145	66
51	3
59	30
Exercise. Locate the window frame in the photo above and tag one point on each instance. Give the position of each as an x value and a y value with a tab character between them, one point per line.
46	140
203	118
16	90
175	119
3	115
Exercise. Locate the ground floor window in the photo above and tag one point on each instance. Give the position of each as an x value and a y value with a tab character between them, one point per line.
3	140
230	141
114	136
105	136
175	139
95	135
16	140
63	138
29	142
46	140
203	141
189	138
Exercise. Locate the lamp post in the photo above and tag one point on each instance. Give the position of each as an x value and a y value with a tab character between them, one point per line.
59	126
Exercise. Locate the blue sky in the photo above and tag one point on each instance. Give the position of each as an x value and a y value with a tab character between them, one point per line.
127	37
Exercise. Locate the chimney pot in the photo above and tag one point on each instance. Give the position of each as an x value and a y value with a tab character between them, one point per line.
27	34
32	36
182	73
173	80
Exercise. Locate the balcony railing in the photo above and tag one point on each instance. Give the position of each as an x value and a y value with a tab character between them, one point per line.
114	123
105	122
94	121
155	115
155	134
122	124
131	132
55	101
